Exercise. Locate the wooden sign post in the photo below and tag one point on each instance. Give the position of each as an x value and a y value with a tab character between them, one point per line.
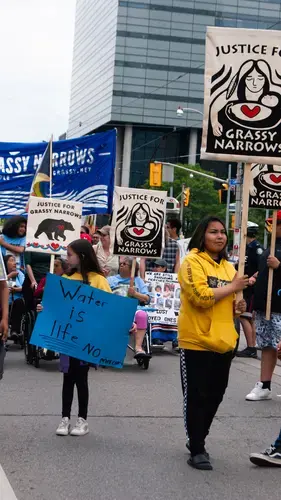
270	271
133	272
244	223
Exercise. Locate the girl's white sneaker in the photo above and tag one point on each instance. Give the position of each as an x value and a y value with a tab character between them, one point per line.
81	427
64	427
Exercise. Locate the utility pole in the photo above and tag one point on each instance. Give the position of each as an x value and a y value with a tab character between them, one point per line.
182	202
238	210
265	237
228	199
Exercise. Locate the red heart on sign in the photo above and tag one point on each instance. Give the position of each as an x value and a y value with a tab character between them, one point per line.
138	232
35	244
250	113
61	228
275	178
55	246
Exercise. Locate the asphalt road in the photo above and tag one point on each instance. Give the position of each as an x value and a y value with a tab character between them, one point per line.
136	446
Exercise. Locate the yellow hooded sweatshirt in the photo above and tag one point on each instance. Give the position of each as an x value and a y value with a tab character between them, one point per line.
205	325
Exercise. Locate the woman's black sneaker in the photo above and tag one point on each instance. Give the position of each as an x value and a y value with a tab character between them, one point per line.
200	461
248	352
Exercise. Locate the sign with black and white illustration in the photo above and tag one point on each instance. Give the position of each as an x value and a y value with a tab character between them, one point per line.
265	187
242	98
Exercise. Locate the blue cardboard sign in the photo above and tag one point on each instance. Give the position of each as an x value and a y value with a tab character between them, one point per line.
84	322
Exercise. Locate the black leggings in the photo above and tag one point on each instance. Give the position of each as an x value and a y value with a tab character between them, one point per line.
206	377
77	375
17	309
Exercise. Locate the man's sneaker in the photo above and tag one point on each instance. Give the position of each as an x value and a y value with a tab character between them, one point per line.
271	456
249	352
64	427
81	428
187	444
258	393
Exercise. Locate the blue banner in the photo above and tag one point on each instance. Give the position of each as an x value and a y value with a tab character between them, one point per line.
83	170
84	322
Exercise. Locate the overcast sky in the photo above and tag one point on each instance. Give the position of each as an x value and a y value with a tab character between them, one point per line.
36	40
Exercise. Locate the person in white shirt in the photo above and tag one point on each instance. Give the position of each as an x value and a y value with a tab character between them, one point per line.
108	262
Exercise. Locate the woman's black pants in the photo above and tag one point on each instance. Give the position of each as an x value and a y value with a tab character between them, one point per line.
204	379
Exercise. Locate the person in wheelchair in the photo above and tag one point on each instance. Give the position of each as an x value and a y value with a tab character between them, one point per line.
15	279
120	284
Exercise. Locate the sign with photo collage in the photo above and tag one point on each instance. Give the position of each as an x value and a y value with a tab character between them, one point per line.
164	290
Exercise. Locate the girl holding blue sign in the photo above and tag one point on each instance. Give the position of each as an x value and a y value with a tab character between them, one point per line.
83	267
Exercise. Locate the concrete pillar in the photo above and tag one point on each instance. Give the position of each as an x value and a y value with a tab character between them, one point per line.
119	154
192	150
127	150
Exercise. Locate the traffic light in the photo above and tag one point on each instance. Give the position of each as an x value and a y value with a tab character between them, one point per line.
186	198
155	174
223	194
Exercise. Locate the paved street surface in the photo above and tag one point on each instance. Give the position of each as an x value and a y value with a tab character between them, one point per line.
136	446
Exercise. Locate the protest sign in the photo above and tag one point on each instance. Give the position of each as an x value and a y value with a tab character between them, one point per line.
183	248
83	171
265	187
138	225
52	224
84	322
242	100
164	290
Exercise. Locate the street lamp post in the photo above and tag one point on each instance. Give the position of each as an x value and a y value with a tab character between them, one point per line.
180	111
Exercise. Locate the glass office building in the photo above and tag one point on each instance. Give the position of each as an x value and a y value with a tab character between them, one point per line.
136	61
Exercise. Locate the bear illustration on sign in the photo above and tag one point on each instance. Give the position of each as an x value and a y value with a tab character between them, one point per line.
54	229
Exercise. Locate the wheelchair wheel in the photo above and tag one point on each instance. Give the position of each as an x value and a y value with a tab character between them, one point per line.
144	362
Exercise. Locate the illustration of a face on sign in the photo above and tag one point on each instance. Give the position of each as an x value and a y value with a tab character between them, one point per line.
250	100
139	230
137	227
242	96
265	187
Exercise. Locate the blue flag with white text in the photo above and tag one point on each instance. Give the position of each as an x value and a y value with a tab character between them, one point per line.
83	170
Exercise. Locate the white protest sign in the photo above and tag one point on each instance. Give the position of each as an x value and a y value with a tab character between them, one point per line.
164	290
52	224
183	248
242	96
138	223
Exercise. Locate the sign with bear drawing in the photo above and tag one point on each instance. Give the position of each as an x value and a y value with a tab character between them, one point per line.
242	98
265	187
138	224
52	224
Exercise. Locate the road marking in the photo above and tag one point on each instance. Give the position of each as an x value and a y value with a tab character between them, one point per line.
6	490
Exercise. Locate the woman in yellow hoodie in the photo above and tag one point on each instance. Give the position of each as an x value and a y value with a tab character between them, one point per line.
207	334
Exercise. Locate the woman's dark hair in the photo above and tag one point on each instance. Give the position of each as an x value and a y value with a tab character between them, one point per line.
12	225
85	229
63	263
6	259
241	89
198	238
87	257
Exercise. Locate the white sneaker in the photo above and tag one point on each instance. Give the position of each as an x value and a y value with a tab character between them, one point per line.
81	428
258	393
64	427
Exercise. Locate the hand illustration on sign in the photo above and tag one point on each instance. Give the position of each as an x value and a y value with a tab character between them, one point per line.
251	100
138	224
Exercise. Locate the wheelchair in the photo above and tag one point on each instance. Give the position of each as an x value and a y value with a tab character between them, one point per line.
34	354
17	338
